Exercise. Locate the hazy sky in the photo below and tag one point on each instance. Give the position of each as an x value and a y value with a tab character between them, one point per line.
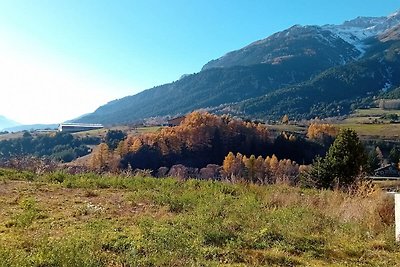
62	58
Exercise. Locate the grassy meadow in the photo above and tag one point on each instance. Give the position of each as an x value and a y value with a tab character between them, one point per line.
362	122
375	112
127	129
92	133
59	219
382	131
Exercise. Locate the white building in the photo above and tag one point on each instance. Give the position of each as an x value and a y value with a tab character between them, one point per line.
78	127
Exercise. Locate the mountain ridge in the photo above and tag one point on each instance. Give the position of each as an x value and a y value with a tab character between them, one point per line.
332	92
293	56
275	47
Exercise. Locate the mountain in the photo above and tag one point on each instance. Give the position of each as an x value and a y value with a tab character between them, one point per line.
333	92
297	42
208	88
357	31
303	71
392	34
5	123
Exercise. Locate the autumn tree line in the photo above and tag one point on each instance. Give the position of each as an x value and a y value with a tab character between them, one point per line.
201	139
208	146
261	170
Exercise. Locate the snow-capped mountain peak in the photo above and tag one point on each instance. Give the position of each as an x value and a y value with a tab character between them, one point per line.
395	14
356	31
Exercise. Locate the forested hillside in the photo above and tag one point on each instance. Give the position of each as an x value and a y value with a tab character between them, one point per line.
208	88
334	92
59	146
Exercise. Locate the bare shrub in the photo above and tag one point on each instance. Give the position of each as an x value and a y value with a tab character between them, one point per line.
385	210
362	187
33	164
143	173
162	172
212	171
374	210
182	172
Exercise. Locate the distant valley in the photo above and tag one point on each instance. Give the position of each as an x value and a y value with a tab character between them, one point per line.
29	127
303	71
8	125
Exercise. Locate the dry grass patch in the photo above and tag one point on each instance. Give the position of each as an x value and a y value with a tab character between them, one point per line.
91	220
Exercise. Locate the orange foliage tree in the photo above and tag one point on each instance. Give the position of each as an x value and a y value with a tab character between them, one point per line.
100	157
259	170
320	130
200	139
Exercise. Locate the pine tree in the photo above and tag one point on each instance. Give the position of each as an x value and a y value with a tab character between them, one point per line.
394	154
345	160
373	161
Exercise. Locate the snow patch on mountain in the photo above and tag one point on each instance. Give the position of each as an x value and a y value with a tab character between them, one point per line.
352	35
356	31
395	14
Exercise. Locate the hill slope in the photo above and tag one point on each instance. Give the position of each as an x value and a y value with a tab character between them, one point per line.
279	68
333	92
207	88
295	43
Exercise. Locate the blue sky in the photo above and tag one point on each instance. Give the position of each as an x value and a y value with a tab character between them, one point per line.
88	52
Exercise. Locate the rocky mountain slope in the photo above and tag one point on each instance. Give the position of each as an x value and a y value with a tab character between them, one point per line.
302	71
297	42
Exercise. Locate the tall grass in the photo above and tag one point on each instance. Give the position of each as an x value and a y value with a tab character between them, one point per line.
166	222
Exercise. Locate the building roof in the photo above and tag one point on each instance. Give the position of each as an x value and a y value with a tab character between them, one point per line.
177	120
385	167
81	124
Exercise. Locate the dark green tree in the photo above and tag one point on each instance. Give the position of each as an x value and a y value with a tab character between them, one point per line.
373	161
394	154
27	134
345	161
113	137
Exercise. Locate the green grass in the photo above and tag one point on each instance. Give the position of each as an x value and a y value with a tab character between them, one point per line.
362	122
286	127
386	131
375	112
129	130
90	220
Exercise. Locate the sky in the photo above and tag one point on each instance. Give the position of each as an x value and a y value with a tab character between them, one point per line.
60	59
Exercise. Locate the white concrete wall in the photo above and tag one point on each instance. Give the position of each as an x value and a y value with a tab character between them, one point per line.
397	215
